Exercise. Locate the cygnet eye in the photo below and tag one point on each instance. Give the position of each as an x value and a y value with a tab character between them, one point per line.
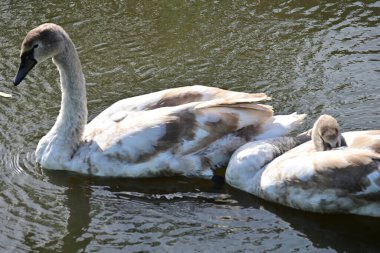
35	46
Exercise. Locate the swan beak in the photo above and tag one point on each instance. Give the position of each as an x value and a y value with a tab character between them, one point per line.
27	63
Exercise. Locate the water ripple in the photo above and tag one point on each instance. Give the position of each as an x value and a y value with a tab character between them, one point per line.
33	212
311	57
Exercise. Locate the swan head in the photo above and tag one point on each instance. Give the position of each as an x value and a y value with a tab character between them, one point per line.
41	43
326	133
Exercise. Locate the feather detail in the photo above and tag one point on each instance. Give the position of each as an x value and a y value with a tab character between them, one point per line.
346	179
181	131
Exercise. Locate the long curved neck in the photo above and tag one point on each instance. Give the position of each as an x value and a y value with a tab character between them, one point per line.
72	117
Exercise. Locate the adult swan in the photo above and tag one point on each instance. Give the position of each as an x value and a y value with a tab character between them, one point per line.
184	131
314	176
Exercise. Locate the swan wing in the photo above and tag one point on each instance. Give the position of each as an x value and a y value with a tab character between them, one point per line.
346	172
168	132
173	97
363	139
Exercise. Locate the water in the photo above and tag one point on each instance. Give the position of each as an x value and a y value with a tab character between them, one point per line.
311	57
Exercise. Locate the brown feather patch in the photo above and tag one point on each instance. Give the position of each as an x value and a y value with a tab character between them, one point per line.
351	178
176	97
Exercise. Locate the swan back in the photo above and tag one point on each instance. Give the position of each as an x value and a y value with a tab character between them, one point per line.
338	180
341	180
249	161
312	178
169	98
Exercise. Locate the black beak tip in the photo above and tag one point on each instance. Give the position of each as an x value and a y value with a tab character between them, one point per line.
27	63
16	81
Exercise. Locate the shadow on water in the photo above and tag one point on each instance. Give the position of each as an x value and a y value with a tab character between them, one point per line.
343	233
340	232
79	189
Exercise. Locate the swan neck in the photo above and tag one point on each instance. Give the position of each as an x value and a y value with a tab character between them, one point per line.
73	113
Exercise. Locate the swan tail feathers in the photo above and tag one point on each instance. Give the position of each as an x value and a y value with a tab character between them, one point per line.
281	125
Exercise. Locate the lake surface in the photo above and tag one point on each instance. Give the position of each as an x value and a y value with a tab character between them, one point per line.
311	57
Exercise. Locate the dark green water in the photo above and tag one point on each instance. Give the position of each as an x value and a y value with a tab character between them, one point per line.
311	57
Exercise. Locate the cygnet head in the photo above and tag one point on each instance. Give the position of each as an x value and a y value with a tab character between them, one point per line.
41	43
326	133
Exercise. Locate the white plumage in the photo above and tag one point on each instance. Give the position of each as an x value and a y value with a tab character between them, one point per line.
185	131
345	179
